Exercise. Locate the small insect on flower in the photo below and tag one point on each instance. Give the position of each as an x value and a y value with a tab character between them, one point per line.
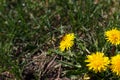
97	62
67	41
113	36
115	64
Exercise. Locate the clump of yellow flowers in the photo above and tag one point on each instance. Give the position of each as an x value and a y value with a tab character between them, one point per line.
97	62
113	36
67	41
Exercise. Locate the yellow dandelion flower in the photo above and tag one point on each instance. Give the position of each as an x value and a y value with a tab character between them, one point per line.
113	36
115	64
97	62
67	42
